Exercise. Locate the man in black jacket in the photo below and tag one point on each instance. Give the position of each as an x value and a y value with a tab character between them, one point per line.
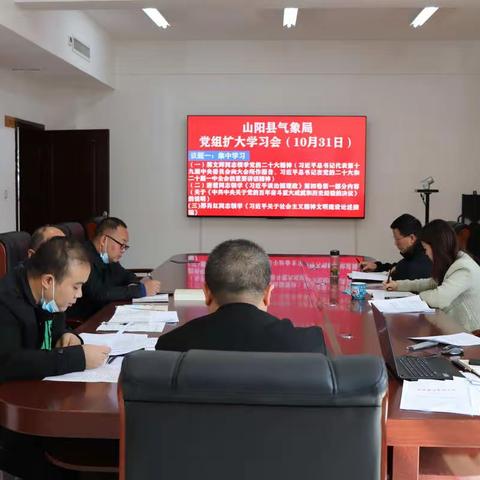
34	342
237	292
415	263
108	280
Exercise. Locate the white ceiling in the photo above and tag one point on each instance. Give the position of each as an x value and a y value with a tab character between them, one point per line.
221	20
262	19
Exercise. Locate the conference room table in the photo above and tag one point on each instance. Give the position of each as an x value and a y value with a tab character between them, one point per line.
303	293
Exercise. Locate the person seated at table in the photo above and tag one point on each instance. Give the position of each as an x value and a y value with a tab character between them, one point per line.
34	342
455	283
41	235
415	263
108	280
463	237
237	292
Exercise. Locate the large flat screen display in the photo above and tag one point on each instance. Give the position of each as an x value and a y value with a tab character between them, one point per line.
276	166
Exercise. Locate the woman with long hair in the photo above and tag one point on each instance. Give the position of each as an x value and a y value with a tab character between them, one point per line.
455	283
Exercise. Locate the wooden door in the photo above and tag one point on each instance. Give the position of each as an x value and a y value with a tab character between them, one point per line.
63	176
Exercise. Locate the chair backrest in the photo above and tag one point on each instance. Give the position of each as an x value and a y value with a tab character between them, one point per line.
72	230
243	415
91	226
13	250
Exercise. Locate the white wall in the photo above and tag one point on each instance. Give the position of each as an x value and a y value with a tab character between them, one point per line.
50	29
7	179
421	99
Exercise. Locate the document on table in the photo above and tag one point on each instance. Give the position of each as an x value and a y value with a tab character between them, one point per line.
141	315
189	294
368	276
160	298
109	372
412	304
120	343
378	294
458	339
447	396
148	327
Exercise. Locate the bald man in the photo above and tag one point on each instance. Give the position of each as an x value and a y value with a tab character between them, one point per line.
41	235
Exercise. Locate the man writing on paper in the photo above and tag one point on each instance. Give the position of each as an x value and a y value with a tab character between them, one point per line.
237	292
108	280
415	263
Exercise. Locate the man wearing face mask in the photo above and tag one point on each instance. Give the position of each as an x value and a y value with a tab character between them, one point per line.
108	280
34	341
415	263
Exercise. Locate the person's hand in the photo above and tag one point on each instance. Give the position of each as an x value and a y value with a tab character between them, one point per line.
67	340
390	286
368	266
95	355
152	287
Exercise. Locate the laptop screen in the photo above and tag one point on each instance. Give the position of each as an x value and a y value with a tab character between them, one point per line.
384	338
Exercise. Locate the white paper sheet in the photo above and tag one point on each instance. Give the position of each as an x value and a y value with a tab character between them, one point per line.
148	327
459	339
447	396
141	315
378	294
160	298
109	372
413	304
120	344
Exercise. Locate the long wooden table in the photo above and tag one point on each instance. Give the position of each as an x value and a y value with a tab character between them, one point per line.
302	293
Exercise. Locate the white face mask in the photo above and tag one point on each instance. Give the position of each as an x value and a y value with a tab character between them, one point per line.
104	254
51	306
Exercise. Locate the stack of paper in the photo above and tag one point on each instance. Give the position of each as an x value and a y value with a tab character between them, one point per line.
458	339
160	298
189	294
449	396
413	304
139	318
368	276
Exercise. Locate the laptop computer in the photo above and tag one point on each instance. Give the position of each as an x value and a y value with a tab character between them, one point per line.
407	367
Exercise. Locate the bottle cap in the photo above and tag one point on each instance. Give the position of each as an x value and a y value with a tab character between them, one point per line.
334	252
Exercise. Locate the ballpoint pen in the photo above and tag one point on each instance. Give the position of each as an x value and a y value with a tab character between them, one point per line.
464	366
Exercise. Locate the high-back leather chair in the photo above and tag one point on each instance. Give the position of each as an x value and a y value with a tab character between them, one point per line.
72	230
13	250
251	416
91	226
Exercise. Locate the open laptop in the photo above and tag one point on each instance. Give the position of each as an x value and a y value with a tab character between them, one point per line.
408	367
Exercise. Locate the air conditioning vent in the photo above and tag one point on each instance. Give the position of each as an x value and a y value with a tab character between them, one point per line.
79	47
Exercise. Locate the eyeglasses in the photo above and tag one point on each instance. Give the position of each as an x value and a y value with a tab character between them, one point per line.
123	246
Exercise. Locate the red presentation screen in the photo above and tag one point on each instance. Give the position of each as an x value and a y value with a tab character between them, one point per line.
276	166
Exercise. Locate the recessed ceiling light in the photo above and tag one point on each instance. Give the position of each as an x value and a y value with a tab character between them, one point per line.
290	17
423	16
156	17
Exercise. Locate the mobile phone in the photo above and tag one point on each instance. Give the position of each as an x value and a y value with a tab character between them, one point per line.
474	361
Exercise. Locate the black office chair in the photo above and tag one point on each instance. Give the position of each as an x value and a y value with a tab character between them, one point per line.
251	416
72	230
13	250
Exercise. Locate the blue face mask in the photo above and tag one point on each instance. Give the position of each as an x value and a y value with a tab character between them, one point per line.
51	306
104	255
